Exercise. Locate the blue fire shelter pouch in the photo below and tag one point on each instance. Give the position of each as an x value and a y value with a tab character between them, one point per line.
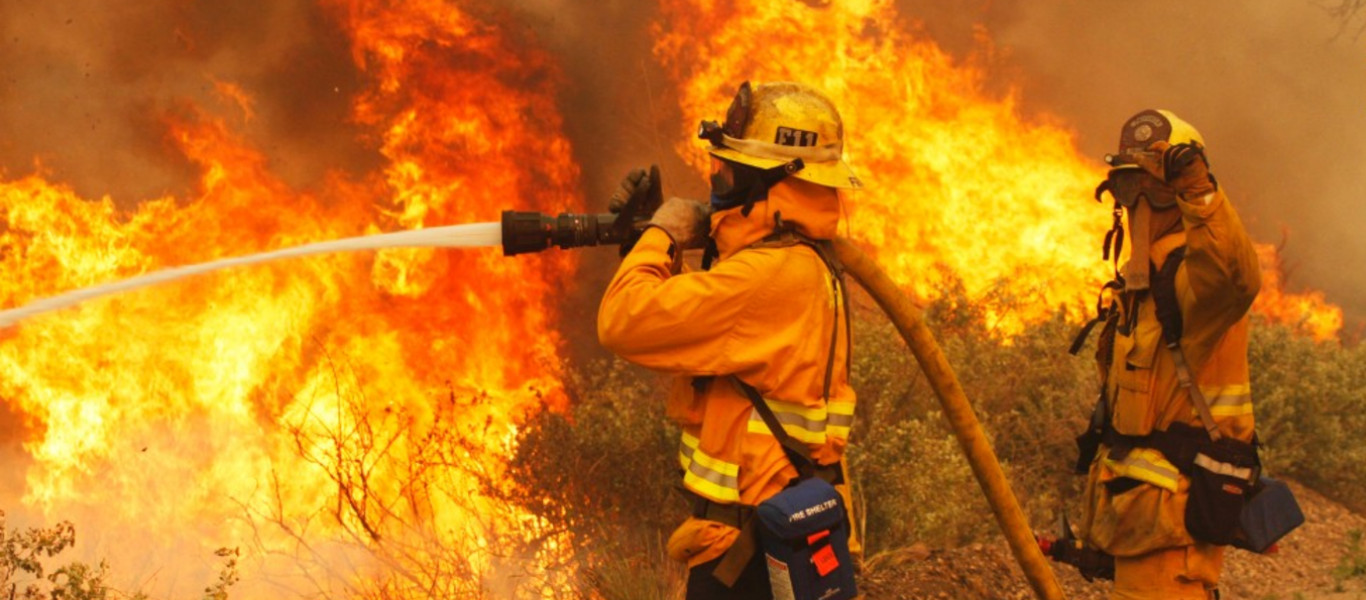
804	533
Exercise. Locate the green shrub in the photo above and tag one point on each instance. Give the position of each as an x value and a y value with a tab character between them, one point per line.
1353	562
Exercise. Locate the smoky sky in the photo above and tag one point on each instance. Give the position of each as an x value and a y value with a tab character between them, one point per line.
87	85
1275	90
1277	95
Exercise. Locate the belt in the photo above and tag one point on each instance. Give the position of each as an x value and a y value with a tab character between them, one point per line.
735	515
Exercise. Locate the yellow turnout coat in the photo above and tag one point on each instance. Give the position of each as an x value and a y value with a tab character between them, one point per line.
1215	286
765	314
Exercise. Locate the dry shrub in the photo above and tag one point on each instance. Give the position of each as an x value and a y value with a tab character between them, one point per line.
607	469
1310	402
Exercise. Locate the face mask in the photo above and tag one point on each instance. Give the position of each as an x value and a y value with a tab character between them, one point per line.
1136	271
722	193
750	184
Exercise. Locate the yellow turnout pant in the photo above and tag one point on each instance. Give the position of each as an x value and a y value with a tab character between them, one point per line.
1184	573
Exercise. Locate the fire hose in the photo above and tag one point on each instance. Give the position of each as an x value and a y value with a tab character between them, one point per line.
532	232
911	324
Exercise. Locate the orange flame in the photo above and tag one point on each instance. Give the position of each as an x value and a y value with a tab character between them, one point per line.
961	184
1307	312
340	417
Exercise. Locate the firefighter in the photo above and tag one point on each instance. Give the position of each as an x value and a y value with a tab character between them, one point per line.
768	308
1191	269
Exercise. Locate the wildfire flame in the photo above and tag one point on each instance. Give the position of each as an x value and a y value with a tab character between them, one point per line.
963	186
346	413
1307	312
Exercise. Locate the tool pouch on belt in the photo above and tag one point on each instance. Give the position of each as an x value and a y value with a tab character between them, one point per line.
1221	480
805	537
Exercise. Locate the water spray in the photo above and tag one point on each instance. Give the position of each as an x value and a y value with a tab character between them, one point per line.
472	235
518	233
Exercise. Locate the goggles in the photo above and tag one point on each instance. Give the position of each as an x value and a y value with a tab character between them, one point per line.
737	118
1127	183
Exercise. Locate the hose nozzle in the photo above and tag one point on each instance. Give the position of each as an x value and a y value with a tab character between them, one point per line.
525	232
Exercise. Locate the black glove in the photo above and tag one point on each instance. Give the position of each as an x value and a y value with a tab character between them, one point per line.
1183	166
634	186
634	202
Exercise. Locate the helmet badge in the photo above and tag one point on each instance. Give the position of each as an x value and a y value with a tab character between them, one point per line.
1143	133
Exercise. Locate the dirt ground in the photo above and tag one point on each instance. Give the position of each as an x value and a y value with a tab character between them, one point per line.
1302	568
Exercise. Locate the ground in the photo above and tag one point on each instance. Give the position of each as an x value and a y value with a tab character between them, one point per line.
1302	569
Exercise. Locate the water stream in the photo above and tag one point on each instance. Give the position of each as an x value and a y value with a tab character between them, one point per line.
471	235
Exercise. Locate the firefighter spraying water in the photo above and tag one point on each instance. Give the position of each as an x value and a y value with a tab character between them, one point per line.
521	232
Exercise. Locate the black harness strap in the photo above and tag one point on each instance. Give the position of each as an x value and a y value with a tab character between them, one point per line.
710	254
1103	314
1169	315
1179	442
825	250
796	451
1164	296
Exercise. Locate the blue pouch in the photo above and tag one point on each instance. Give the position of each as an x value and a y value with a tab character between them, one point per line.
1271	513
805	538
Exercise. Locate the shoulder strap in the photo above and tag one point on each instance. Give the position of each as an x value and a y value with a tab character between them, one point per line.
1169	315
796	451
1104	314
826	251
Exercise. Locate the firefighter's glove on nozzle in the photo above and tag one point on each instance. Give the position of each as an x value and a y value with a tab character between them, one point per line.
635	185
686	221
1183	166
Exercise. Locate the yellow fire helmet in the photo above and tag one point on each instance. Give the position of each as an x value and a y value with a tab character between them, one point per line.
1149	126
774	124
1126	180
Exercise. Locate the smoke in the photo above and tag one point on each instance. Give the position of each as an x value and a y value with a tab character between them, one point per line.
87	84
1273	87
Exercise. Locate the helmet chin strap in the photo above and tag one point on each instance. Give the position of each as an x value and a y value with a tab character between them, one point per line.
1136	270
